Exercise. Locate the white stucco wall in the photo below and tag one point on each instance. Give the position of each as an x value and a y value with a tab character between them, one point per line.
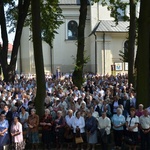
109	54
27	55
64	49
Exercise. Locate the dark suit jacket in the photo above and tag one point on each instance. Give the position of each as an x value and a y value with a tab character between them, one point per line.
98	110
126	105
9	117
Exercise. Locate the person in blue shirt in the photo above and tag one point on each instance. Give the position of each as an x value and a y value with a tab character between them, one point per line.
4	136
118	121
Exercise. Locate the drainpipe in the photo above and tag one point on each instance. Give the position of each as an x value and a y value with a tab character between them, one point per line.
104	51
51	61
95	53
20	60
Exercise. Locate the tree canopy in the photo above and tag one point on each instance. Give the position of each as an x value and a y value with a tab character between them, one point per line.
17	15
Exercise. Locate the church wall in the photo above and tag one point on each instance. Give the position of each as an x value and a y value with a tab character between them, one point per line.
108	51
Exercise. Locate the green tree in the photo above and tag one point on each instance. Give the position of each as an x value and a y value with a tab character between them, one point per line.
18	15
38	57
22	9
80	61
112	5
129	54
132	37
143	54
17	19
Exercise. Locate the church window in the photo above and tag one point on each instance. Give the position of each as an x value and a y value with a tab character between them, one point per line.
72	30
126	46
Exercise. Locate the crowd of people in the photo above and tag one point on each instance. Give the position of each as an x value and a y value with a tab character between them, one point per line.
104	105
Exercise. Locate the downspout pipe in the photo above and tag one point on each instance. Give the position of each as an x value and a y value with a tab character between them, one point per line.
95	53
20	54
51	61
104	55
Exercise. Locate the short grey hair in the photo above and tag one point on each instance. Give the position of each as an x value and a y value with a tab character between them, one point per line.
120	110
59	112
13	108
47	110
34	110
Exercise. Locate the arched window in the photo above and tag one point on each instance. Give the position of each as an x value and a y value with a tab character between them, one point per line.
126	46
72	30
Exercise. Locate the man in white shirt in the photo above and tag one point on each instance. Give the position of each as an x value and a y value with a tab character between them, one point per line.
69	118
145	130
104	125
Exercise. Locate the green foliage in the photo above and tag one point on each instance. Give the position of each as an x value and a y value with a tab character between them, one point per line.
114	6
85	61
51	18
123	55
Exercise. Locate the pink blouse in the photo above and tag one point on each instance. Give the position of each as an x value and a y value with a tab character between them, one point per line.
17	128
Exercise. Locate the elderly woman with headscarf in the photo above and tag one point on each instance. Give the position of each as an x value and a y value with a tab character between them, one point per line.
47	124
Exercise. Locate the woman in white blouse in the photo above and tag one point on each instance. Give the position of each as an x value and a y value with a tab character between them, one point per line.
132	127
79	127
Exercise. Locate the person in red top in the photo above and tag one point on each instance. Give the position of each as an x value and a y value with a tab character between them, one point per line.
33	123
47	124
140	110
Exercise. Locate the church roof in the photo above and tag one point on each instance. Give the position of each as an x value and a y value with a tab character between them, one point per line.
111	26
69	2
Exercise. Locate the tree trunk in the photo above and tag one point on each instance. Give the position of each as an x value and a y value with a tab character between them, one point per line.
143	55
132	36
9	70
23	10
38	57
4	46
78	72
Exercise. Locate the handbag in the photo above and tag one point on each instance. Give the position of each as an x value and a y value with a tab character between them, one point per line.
78	140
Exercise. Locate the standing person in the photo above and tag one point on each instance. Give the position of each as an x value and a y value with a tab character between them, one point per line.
104	124
47	124
79	127
33	122
68	128
17	135
4	136
115	105
125	102
59	129
140	110
91	130
8	114
145	130
118	121
23	115
132	122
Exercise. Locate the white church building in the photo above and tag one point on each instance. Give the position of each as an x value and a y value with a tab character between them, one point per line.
102	46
